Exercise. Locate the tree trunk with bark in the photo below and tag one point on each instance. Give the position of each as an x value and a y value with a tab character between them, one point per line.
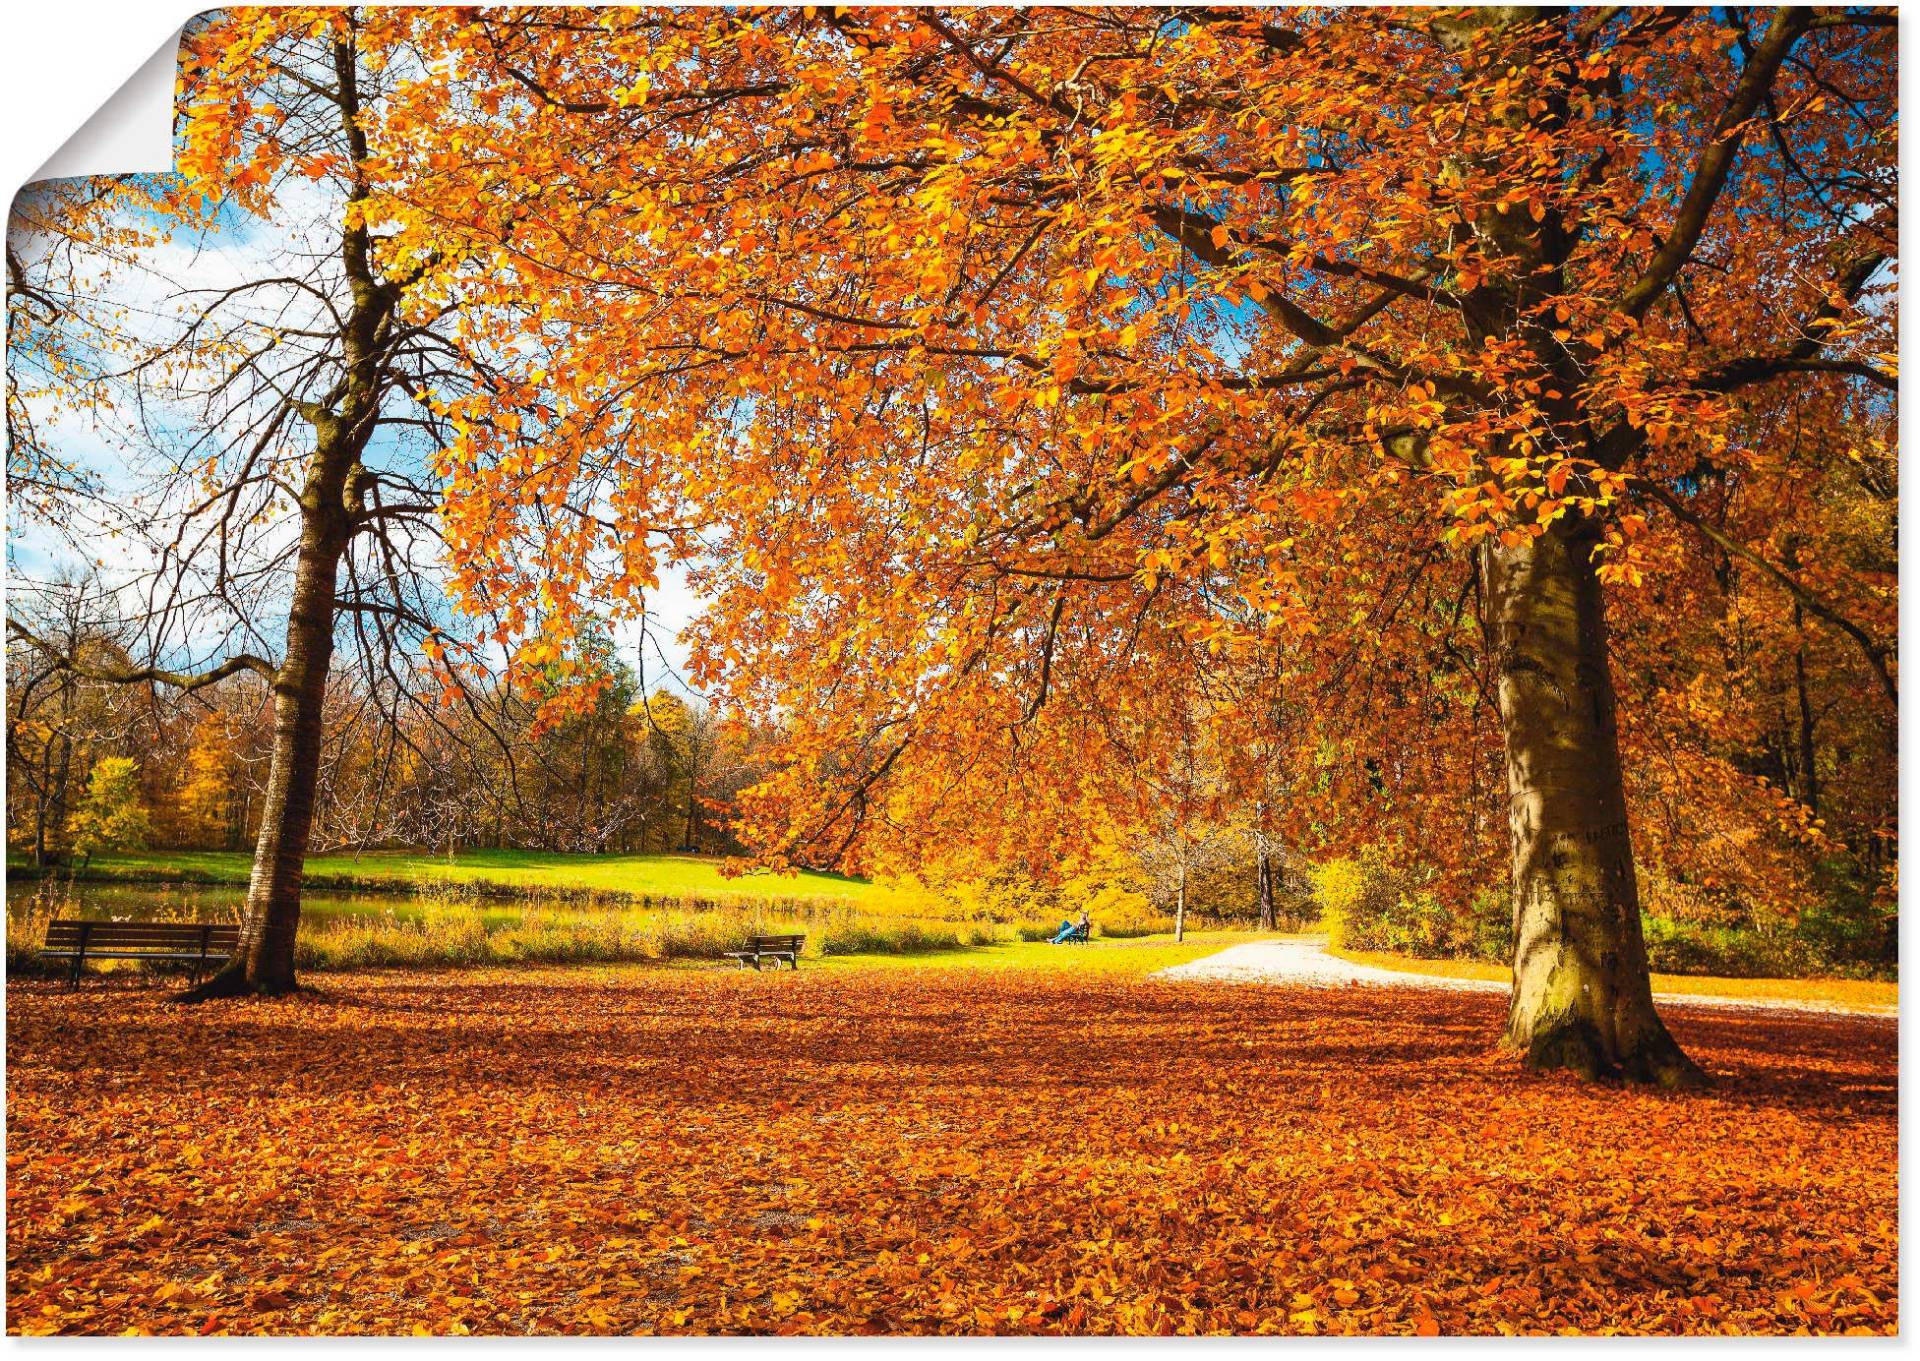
1582	995
42	807
1809	775
62	779
263	961
1263	872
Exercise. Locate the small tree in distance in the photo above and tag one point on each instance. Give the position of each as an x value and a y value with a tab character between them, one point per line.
110	816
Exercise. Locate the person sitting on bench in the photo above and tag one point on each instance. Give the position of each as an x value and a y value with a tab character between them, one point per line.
1069	929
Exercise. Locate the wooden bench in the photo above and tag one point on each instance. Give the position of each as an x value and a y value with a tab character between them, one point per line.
775	948
1080	935
195	943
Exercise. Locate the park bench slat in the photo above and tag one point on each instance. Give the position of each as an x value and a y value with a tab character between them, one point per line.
776	948
111	926
147	938
196	943
152	937
191	933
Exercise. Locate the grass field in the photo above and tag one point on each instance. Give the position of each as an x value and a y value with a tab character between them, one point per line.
650	876
558	910
1137	956
685	908
394	909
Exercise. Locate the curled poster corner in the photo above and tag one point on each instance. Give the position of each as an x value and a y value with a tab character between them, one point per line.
132	133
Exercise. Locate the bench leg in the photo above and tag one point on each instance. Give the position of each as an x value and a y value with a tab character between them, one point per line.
73	974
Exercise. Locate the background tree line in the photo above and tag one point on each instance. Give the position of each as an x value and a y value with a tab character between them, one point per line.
621	773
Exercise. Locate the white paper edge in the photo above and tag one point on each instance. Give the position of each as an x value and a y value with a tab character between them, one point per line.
132	133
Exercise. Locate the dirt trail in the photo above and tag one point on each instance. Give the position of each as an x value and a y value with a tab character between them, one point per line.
1307	964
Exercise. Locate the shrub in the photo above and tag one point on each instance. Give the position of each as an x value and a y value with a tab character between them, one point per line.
875	936
1851	931
1837	929
1492	922
1730	951
1124	918
26	933
1357	895
1366	903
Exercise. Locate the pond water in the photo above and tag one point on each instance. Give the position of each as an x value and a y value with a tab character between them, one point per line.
200	902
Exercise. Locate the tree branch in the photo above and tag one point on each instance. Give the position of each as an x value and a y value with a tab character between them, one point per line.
1710	171
1875	653
186	681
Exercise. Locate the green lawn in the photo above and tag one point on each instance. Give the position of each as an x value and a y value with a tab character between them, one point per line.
658	876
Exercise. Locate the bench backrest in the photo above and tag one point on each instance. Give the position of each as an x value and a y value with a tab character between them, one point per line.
217	937
769	944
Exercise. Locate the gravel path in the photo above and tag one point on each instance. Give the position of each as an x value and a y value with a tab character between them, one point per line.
1306	964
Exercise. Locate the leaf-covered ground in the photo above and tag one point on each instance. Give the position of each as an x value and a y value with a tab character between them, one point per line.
921	1150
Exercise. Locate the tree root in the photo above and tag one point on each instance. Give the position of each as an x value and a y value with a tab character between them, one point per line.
1654	1059
233	982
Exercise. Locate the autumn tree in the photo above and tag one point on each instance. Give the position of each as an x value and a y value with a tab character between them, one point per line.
1184	827
591	776
58	723
83	233
268	398
207	798
966	339
110	817
690	741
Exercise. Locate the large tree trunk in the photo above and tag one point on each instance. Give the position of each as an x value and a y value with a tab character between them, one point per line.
263	962
1582	997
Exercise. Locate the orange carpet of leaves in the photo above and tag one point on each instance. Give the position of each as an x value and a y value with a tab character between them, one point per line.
921	1150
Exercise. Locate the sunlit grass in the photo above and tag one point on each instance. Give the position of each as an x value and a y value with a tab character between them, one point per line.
449	927
653	876
1139	955
510	907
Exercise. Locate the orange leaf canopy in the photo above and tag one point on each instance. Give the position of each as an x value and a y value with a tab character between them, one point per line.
1022	387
